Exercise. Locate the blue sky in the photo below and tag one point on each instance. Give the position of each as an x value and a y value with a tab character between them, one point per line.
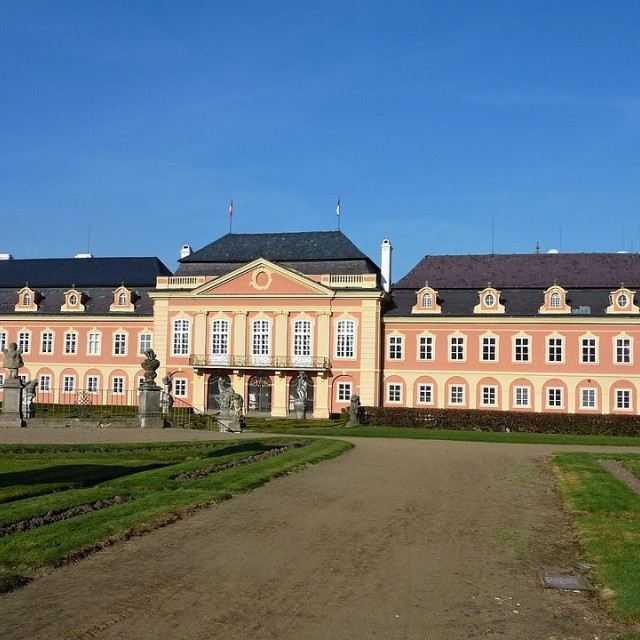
445	126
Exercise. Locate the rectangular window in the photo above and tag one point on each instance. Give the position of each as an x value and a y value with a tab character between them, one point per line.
3	340
46	344
70	343
521	396
120	344
489	349
180	388
521	349
554	397
345	339
555	349
344	391
588	352
588	399
117	385
92	384
489	396
24	341
456	394
44	384
181	337
68	384
302	338
1	380
425	393
456	347
93	344
261	342
425	348
394	393
623	399
623	350
395	347
145	343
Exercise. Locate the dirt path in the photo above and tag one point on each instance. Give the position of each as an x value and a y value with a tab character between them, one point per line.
396	539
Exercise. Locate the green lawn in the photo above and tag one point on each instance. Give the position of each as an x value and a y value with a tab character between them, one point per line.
606	514
42	481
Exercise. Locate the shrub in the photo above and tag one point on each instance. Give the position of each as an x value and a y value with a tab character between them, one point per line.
482	420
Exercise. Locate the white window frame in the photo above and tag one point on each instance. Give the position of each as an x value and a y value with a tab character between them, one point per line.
489	348
343	392
456	394
70	343
44	382
302	342
522	348
260	341
346	339
623	353
120	343
588	398
394	392
522	396
117	385
46	342
93	384
426	348
24	341
555	398
623	399
457	348
180	336
180	387
396	347
145	342
555	348
69	383
3	340
489	395
220	337
425	393
588	350
94	343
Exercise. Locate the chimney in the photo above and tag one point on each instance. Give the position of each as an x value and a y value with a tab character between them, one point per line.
185	251
385	264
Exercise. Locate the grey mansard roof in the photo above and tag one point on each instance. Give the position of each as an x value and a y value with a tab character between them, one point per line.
310	252
589	278
81	272
97	278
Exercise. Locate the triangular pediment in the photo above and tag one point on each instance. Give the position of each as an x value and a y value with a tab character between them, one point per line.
262	278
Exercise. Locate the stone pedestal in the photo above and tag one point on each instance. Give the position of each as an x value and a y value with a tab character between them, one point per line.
300	407
230	422
149	414
11	415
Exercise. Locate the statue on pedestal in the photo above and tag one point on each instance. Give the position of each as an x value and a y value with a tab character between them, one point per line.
354	411
13	359
150	366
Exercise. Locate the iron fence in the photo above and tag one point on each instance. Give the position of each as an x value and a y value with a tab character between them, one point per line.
90	404
179	413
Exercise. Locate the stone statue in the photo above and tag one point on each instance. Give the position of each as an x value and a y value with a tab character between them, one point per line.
354	411
13	359
226	394
167	398
302	385
237	403
167	382
28	398
150	366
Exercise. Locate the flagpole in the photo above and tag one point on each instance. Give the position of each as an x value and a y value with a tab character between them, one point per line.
230	215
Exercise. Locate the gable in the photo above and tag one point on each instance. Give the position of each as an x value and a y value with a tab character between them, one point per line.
262	278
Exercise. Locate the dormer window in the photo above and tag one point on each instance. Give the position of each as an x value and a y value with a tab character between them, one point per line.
73	301
27	300
622	301
122	300
489	301
426	301
555	300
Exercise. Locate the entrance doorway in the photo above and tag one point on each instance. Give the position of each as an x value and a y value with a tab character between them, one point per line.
259	391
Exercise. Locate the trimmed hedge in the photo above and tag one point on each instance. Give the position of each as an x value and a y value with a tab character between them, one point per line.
480	420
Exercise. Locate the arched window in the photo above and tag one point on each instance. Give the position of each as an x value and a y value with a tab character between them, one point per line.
554	301
302	342
122	299
427	301
346	339
26	299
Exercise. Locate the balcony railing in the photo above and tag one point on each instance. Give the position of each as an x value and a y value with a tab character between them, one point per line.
259	362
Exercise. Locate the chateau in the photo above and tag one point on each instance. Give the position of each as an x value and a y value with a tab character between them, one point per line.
531	332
